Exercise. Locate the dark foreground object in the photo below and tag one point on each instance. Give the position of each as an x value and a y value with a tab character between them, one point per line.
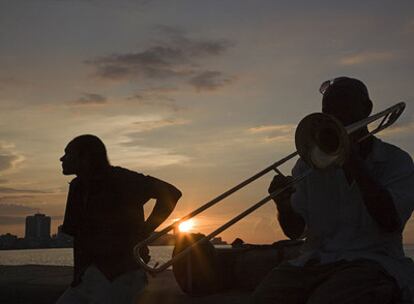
207	270
37	284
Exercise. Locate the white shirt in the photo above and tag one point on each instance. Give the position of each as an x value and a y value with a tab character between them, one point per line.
339	226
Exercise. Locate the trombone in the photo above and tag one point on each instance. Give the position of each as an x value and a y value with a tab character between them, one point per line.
321	141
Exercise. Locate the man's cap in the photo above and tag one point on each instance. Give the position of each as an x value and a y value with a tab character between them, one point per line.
346	89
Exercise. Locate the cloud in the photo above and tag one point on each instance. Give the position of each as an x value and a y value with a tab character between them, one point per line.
366	57
281	133
159	90
14	209
6	161
91	99
175	57
7	190
140	156
11	220
14	198
159	97
8	157
404	126
146	126
209	80
403	129
6	220
11	82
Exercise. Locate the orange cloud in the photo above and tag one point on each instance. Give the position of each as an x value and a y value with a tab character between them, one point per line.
366	57
399	129
283	133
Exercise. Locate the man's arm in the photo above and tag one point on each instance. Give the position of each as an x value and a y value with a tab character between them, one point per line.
377	199
292	223
166	196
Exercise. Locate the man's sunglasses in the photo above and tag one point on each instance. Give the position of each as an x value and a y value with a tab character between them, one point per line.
326	84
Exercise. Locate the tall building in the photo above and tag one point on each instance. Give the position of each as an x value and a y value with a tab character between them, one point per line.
37	227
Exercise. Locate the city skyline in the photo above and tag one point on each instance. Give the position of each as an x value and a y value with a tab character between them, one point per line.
38	235
200	94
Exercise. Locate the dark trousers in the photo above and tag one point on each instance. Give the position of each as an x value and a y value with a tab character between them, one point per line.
355	282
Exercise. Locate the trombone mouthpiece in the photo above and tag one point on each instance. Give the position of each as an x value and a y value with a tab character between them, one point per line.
322	141
322	160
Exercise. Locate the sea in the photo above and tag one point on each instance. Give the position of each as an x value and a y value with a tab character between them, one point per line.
64	256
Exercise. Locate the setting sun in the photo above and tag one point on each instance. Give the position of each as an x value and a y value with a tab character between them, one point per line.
186	226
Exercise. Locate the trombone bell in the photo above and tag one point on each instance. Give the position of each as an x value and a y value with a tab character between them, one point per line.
321	141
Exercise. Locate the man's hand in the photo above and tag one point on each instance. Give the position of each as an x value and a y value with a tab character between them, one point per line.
144	253
377	199
292	223
279	182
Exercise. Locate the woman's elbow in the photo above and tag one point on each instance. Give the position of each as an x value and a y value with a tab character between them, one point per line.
176	193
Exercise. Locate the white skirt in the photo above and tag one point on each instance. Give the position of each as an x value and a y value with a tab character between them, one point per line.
96	288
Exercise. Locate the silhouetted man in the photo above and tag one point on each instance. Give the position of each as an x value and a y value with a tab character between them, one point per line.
104	214
352	219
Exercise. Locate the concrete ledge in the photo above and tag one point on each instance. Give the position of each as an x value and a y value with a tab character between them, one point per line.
37	284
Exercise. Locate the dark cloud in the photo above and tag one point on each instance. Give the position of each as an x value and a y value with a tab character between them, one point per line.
15	209
176	57
3	181
209	81
7	160
91	99
159	62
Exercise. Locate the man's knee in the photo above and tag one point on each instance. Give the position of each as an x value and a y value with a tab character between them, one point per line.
282	285
72	296
357	285
380	295
280	295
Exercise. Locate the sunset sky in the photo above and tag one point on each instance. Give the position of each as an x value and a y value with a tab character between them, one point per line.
202	94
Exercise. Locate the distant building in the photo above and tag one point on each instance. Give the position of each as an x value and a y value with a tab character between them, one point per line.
61	239
37	235
37	228
218	241
8	241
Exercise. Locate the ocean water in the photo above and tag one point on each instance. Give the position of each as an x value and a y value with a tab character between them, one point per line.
63	256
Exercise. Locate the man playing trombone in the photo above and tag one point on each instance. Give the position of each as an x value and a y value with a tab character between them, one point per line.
352	218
